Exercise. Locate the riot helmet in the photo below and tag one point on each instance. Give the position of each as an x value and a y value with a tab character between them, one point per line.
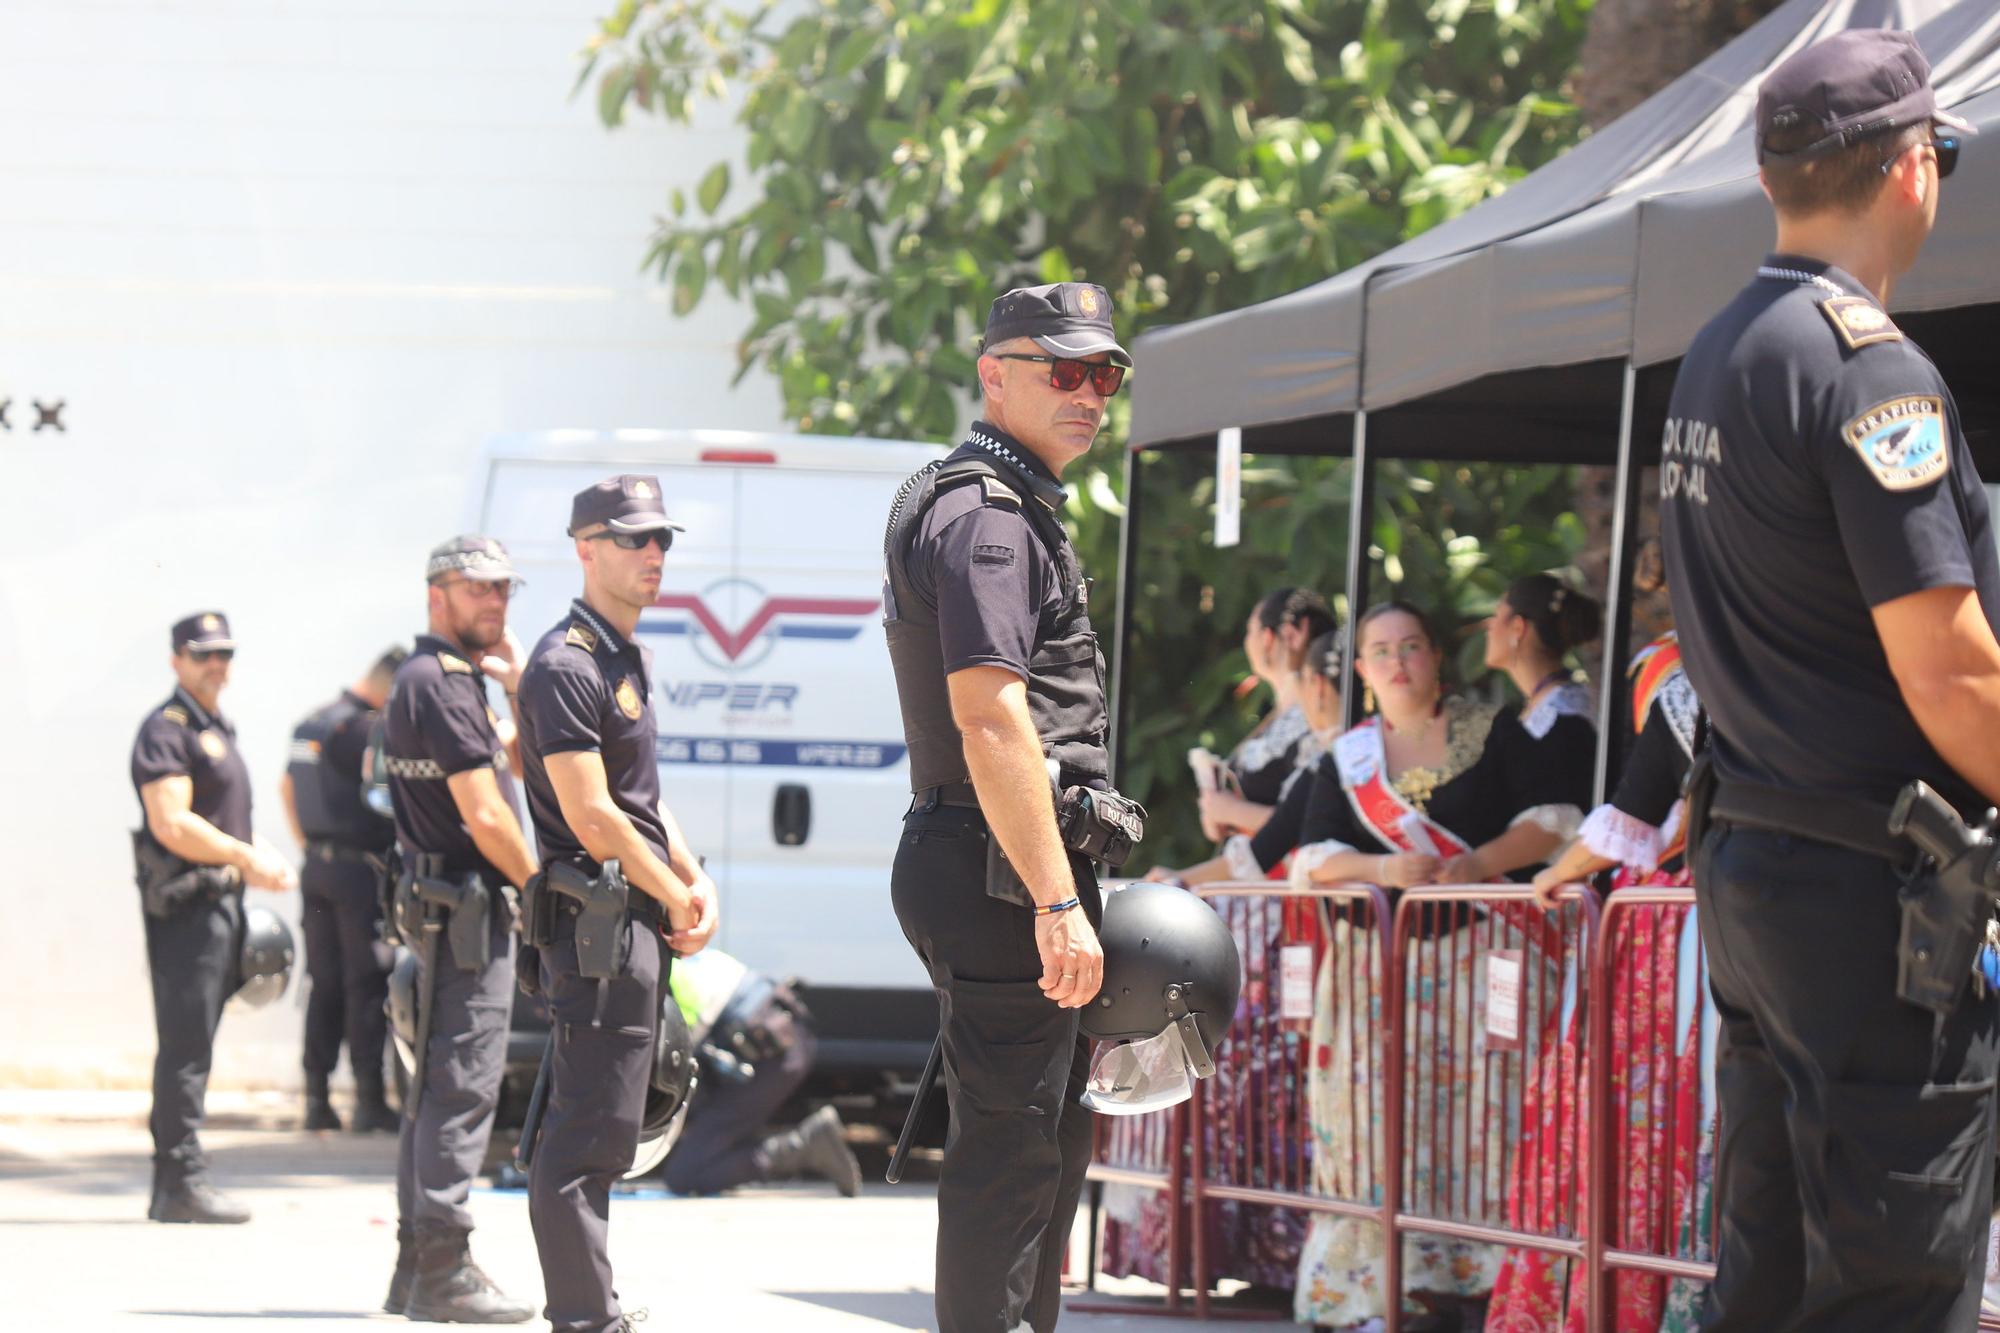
668	1091
403	1004
265	967
1171	977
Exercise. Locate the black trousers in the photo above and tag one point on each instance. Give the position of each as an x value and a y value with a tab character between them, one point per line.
722	1144
348	962
194	956
601	1062
441	1148
1854	1171
1014	1065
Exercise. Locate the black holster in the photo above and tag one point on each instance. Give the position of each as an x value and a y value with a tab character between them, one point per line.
387	867
603	945
168	883
462	908
1946	904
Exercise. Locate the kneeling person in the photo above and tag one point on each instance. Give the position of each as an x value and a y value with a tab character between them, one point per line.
463	852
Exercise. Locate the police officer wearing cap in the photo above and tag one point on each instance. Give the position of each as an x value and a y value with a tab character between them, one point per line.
588	739
1002	691
463	854
346	956
195	852
1831	561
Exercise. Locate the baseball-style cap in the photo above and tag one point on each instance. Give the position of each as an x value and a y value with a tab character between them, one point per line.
481	559
624	503
1065	318
1855	84
205	630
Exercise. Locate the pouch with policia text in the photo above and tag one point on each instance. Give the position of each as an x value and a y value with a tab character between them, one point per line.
1103	825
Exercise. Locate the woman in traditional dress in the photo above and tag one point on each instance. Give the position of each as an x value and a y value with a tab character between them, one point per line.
1538	622
1657	1025
1284	622
1433	788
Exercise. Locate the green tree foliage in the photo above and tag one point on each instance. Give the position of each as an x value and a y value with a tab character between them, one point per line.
908	160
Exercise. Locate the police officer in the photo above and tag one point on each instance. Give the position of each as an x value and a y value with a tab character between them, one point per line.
588	738
754	1043
463	851
1002	690
1831	562
346	956
195	852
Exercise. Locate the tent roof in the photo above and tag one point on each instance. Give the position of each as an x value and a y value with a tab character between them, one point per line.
1621	247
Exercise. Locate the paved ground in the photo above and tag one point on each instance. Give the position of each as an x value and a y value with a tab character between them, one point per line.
77	1254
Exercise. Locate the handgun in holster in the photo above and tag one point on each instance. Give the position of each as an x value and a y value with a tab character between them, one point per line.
603	945
427	902
1946	906
167	883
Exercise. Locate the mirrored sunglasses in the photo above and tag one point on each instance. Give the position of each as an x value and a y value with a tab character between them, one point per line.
1068	374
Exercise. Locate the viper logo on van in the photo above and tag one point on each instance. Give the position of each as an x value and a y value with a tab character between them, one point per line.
774	618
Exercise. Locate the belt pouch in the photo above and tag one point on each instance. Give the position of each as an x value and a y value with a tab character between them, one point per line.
1002	880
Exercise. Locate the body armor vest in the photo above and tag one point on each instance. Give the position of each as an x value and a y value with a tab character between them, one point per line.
330	803
1065	674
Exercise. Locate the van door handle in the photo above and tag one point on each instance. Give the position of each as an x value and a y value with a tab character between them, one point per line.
791	814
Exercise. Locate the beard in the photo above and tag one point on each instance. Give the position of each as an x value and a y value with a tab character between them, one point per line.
477	636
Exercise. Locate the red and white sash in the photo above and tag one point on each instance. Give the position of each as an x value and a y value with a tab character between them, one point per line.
1382	810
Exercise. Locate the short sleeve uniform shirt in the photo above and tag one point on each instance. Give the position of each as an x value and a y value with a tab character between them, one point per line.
440	724
180	738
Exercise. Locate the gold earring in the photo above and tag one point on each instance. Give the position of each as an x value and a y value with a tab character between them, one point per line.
1367	698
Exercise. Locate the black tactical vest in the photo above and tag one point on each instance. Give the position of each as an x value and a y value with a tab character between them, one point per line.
330	803
1065	674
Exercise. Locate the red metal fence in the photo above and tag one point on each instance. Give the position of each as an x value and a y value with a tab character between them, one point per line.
1495	1031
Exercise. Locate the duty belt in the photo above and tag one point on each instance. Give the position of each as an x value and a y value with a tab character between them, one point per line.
1853	822
958	794
321	850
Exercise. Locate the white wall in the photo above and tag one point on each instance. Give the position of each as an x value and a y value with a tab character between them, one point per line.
288	265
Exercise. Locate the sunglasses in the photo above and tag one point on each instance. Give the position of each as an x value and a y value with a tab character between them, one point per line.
1945	146
206	654
636	541
1068	374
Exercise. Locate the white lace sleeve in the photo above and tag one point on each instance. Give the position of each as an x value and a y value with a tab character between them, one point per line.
1561	820
1626	839
1242	863
1310	857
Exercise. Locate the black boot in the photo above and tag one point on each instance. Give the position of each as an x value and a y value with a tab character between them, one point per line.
818	1147
372	1114
193	1199
319	1110
450	1289
406	1272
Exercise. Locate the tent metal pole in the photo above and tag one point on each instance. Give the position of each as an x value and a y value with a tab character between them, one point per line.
1360	504
1618	578
1121	627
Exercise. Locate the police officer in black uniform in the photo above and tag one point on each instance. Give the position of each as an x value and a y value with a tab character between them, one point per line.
588	739
463	854
1831	562
1002	691
346	956
195	852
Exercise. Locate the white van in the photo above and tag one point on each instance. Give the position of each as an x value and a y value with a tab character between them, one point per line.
781	743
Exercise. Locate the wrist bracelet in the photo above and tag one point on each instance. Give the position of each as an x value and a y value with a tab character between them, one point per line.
1056	909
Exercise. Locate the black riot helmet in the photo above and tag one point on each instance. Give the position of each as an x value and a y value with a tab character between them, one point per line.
403	1003
668	1091
265	968
1171	977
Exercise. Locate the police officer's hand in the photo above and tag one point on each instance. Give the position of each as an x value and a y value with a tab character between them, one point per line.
1072	959
264	869
504	663
694	927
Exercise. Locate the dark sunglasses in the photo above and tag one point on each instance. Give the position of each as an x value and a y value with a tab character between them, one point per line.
1068	374
636	541
1946	148
204	654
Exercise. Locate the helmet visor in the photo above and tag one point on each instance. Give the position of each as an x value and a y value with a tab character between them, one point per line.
1135	1077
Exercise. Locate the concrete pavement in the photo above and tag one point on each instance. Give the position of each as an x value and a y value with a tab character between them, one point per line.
77	1254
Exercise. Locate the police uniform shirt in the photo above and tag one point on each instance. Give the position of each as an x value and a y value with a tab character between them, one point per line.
1813	467
440	724
180	738
586	688
344	753
994	583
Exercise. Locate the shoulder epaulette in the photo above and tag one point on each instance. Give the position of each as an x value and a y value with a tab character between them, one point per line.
175	713
1859	321
579	636
999	492
452	663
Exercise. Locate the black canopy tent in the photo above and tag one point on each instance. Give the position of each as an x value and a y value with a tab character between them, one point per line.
1546	325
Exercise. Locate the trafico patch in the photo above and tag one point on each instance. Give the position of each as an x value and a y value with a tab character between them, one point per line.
627	695
1859	321
1902	441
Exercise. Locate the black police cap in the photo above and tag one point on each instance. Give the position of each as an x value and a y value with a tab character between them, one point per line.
204	630
1065	318
1853	85
624	503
